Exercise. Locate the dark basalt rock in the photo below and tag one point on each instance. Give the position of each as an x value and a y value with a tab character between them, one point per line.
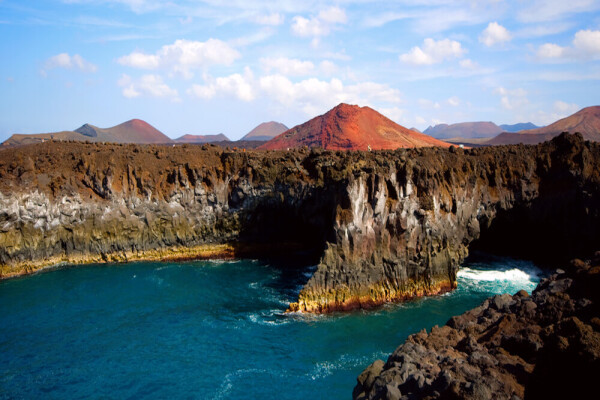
543	346
382	226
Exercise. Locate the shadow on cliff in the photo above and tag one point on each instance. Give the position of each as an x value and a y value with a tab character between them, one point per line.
288	232
561	223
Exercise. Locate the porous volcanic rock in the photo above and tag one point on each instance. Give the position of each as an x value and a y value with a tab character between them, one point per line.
543	346
382	226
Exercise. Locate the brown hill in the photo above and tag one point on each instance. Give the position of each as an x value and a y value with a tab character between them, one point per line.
464	130
350	127
266	131
202	138
585	121
133	131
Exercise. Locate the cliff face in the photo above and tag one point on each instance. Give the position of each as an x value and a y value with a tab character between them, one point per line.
404	226
383	226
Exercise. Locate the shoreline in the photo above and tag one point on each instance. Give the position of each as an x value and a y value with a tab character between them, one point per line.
226	251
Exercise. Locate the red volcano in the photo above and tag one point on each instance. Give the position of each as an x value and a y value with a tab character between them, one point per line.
350	127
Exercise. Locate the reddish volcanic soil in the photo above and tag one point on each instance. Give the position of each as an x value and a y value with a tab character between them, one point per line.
350	127
138	131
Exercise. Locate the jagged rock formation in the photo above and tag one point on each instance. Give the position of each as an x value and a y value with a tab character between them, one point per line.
382	226
510	347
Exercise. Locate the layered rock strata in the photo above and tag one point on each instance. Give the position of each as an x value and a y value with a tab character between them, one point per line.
543	346
382	226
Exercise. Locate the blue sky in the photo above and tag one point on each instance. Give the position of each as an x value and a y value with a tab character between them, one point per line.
208	66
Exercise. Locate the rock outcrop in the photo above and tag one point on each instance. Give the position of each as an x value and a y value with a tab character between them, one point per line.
543	346
382	226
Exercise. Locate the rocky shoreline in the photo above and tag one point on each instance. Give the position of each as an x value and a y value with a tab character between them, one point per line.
382	226
542	346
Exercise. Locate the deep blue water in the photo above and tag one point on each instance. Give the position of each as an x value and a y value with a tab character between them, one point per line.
206	330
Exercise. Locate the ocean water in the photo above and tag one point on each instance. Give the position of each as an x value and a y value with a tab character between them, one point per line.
207	330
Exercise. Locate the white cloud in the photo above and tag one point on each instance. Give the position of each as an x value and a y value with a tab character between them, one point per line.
433	52
313	96
550	50
270	19
420	120
511	99
530	31
494	34
148	85
327	67
396	114
453	101
376	21
555	10
559	110
321	25
565	108
137	6
333	15
183	56
287	66
294	67
587	43
585	46
309	95
467	63
425	103
64	60
237	85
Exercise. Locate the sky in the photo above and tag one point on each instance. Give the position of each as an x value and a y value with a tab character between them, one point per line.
209	66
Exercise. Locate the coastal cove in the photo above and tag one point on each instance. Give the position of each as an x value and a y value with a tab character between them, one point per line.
210	329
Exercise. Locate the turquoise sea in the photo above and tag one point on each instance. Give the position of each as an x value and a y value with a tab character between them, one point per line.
207	330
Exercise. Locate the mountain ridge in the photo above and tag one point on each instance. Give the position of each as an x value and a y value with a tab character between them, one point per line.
585	121
132	131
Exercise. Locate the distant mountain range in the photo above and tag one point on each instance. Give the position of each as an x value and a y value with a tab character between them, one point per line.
470	130
518	127
265	131
464	130
202	138
345	127
585	121
141	132
133	131
350	127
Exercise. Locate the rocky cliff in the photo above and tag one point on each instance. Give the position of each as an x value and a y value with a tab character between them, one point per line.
382	226
543	346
